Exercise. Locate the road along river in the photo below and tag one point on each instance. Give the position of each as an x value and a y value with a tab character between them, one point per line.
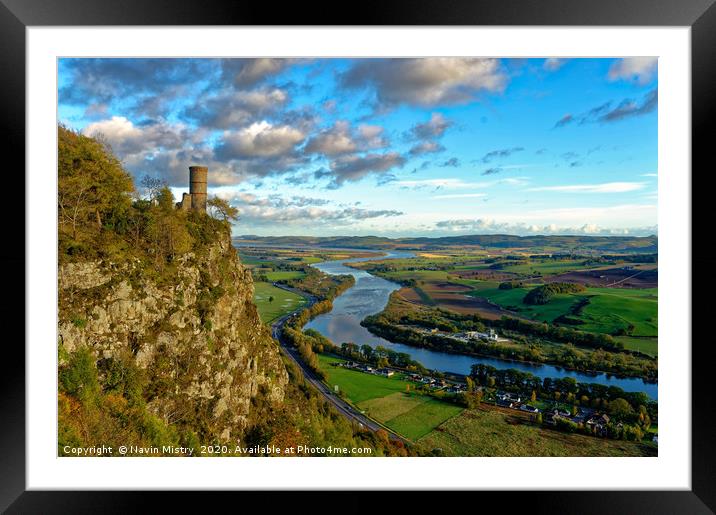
370	295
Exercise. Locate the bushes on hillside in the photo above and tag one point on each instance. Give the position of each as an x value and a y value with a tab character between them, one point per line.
544	293
101	216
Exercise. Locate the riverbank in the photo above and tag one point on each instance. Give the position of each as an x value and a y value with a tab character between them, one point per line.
370	295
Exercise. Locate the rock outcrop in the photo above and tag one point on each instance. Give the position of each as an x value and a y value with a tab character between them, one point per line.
193	329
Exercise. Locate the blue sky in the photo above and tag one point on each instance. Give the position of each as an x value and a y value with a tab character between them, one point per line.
393	147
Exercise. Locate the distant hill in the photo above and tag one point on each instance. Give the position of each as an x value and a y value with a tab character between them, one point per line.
587	244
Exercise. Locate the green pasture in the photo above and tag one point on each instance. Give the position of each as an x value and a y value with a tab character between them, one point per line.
423	418
648	346
386	399
609	309
488	432
283	301
282	275
618	308
359	386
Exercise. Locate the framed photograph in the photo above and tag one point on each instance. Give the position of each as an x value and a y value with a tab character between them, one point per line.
428	247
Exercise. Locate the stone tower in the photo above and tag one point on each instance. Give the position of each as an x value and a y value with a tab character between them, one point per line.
197	187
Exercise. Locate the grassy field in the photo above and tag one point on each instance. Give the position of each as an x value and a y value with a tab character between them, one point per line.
488	432
283	301
358	386
387	400
284	274
512	300
648	346
423	419
609	309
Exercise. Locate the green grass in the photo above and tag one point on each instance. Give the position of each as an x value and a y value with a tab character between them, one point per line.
615	308
248	259
648	346
283	301
385	399
359	386
609	309
423	418
512	300
282	275
383	409
488	432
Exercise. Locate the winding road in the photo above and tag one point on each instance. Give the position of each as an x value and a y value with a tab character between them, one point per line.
342	406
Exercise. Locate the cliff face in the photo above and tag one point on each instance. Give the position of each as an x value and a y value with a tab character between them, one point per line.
193	329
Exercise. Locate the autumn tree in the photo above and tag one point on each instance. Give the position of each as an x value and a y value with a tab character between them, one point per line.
222	210
92	185
167	228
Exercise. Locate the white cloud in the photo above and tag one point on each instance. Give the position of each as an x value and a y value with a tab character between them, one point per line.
429	81
233	108
553	64
634	69
426	147
453	183
261	139
353	168
333	141
249	71
492	226
462	195
297	211
341	139
608	187
127	138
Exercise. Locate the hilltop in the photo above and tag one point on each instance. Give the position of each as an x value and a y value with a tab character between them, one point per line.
579	244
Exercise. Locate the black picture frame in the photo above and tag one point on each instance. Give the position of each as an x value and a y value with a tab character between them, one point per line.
17	15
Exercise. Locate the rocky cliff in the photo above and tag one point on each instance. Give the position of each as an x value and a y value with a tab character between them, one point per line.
192	328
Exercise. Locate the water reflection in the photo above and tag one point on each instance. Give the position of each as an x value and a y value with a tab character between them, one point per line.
370	295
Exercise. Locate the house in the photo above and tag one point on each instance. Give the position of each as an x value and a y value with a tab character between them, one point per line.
598	424
508	396
385	372
529	409
504	404
490	335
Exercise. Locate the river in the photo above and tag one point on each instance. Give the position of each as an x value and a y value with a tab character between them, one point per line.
370	295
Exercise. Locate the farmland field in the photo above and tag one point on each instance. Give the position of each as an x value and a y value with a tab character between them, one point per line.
282	275
608	310
283	301
423	418
356	385
491	432
386	399
647	346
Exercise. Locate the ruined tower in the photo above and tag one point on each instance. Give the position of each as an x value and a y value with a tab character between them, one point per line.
197	187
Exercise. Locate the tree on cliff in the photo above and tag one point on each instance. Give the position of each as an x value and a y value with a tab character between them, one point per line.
92	185
98	216
221	209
